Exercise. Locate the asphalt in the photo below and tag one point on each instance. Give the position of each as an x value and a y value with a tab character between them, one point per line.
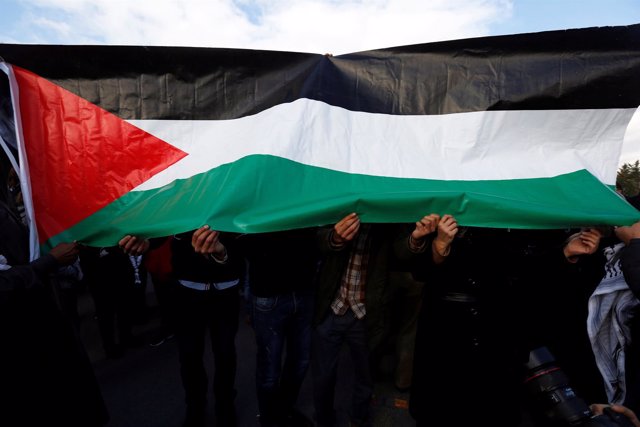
143	389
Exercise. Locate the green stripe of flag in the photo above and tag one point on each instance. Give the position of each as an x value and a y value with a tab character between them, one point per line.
263	193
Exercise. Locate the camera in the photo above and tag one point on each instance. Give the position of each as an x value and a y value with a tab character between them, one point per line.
552	396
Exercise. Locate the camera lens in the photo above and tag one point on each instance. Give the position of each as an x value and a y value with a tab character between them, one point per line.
551	392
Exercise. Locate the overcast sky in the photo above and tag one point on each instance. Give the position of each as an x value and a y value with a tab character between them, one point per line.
318	26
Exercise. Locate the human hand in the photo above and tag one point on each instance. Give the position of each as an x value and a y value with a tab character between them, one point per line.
627	233
206	241
424	227
346	229
447	230
134	245
584	242
427	225
598	409
65	253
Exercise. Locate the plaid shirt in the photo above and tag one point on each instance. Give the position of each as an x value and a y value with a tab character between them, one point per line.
352	288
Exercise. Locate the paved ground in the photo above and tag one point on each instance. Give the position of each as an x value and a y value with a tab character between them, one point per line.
142	389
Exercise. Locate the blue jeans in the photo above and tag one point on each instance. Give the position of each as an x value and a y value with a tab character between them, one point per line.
328	338
283	320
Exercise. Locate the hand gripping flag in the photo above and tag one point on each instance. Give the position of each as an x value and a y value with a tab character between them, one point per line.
519	131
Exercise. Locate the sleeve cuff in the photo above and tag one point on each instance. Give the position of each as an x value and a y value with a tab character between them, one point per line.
44	264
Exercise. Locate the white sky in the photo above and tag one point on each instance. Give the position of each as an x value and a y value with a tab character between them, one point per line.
318	26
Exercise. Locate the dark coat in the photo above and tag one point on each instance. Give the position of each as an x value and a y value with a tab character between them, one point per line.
46	375
332	268
630	260
281	262
469	343
189	265
499	295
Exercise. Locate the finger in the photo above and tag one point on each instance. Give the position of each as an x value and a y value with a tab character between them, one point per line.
347	220
352	231
124	240
126	243
199	241
199	232
127	247
428	224
432	217
445	224
590	234
350	224
590	240
130	248
215	242
626	412
211	240
451	224
420	231
447	218
138	247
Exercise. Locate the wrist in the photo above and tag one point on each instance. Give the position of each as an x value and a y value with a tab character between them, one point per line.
570	256
441	249
335	241
416	244
220	256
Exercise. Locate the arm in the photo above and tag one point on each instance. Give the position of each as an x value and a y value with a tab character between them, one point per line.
631	256
441	245
27	276
31	275
415	240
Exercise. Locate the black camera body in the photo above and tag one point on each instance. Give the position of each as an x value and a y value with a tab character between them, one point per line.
554	397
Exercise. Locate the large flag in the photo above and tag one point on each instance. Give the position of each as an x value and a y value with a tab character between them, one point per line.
517	131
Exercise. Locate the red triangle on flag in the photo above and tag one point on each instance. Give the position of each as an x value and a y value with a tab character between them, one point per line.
81	157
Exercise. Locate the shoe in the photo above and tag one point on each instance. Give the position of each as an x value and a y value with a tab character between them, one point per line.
297	419
155	342
160	339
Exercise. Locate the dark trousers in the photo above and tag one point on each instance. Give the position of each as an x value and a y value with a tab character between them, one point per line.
281	322
196	312
114	304
328	338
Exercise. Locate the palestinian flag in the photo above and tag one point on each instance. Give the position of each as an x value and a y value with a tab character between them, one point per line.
519	131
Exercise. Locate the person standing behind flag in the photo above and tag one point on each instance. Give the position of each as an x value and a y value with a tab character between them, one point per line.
206	299
158	264
352	308
613	321
46	377
471	344
282	268
115	283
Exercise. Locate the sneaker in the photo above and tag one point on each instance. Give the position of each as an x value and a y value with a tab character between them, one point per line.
297	419
156	341
160	339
